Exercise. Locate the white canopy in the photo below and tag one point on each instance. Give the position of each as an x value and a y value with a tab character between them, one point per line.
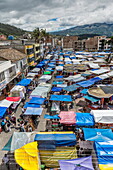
18	88
59	68
80	56
92	65
73	77
104	76
45	77
100	71
110	73
5	103
31	74
99	60
103	116
35	70
41	91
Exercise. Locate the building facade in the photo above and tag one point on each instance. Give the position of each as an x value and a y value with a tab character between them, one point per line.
68	41
29	51
13	67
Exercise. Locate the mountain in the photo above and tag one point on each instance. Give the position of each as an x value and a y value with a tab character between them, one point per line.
96	28
7	29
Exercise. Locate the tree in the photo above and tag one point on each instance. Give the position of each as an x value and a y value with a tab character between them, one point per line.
36	35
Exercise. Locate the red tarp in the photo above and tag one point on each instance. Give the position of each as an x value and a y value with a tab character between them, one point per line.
67	117
13	99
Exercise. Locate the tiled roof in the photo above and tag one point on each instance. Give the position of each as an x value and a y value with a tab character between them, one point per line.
11	54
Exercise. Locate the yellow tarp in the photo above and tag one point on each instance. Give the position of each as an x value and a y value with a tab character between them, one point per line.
106	167
66	132
50	158
27	156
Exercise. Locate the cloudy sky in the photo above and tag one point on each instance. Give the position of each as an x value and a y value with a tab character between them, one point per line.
55	14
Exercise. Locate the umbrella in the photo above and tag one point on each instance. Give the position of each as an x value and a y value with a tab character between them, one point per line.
81	103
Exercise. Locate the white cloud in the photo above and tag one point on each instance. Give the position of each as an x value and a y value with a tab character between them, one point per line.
31	14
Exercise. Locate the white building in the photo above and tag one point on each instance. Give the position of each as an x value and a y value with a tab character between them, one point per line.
7	73
13	64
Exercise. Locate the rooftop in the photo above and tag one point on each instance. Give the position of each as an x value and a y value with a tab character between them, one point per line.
11	54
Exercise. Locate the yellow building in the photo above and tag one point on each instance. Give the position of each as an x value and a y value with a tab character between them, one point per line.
37	51
29	50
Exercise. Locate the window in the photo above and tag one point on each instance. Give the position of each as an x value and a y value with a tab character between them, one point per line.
2	76
16	65
30	59
30	51
37	48
21	64
11	70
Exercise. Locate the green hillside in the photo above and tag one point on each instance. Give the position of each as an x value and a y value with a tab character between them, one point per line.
96	28
10	30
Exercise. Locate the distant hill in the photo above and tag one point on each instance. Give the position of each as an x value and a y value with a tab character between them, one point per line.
96	28
7	29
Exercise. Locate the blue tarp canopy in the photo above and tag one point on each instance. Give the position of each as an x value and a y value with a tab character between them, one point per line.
37	100
99	56
85	75
89	82
49	70
84	163
92	99
57	82
24	82
84	91
51	117
39	65
104	152
95	79
85	83
65	98
61	65
71	87
33	111
59	77
2	111
64	139
98	135
56	89
84	119
31	105
73	57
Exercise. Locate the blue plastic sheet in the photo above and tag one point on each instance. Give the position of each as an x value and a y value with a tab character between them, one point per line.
31	105
104	152
57	82
66	98
84	119
49	70
24	82
89	82
59	77
39	65
51	117
2	111
86	83
84	91
36	100
92	99
33	111
71	88
60	139
98	135
56	89
95	79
